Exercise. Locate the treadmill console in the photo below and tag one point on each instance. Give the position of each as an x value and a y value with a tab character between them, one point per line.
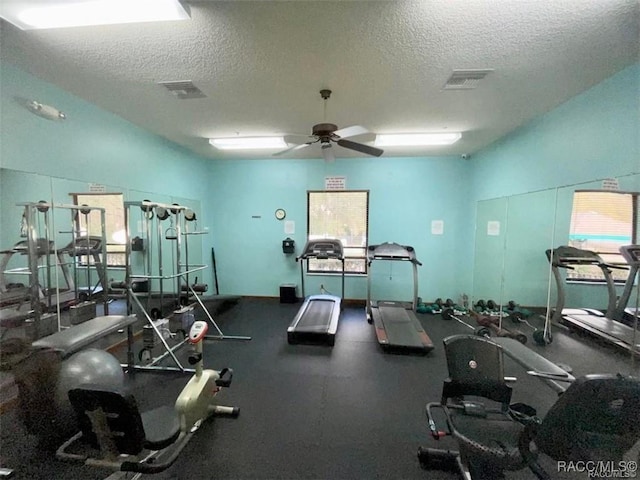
84	245
322	249
631	254
391	251
566	255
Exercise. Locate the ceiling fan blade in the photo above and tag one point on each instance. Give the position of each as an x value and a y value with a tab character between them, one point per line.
350	131
327	153
291	149
360	147
298	138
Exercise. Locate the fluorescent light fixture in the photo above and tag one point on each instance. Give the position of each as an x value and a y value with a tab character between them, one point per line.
41	14
416	139
247	143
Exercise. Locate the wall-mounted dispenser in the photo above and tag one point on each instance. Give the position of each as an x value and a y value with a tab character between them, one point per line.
288	246
137	244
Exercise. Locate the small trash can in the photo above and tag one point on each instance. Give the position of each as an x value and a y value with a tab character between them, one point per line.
288	293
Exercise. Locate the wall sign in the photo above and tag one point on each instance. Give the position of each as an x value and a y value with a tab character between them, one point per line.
493	228
437	227
335	183
289	227
610	184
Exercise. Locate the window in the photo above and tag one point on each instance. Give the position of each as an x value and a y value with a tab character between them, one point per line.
602	221
113	204
341	214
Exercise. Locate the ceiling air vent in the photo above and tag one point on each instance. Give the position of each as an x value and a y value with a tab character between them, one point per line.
465	79
183	89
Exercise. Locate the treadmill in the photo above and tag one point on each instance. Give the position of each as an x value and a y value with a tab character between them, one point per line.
317	319
396	325
601	325
624	313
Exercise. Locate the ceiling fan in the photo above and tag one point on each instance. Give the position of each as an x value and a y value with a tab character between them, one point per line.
327	133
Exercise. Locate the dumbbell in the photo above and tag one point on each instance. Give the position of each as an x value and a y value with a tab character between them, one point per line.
483	331
491	305
432	308
487	321
514	307
538	335
444	303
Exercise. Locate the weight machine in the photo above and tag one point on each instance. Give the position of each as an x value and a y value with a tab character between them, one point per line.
142	300
45	265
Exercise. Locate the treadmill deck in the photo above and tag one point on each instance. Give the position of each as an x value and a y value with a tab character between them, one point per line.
614	332
398	328
317	320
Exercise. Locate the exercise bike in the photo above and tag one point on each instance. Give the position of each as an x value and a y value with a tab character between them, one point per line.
195	402
114	434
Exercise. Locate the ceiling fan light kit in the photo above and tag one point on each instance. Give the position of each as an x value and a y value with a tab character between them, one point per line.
328	133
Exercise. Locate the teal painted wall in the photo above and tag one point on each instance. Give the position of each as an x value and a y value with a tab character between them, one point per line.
46	160
91	145
595	135
406	194
532	173
592	136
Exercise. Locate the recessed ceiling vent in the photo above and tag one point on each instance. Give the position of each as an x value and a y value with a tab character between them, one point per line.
183	89
465	79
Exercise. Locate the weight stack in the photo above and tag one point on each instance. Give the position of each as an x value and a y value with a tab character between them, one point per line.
82	312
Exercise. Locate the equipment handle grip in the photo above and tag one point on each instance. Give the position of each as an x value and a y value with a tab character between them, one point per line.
226	375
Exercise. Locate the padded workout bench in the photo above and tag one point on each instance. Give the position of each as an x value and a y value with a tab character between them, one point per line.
536	364
67	342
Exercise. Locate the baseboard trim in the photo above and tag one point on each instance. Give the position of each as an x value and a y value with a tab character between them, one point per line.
351	302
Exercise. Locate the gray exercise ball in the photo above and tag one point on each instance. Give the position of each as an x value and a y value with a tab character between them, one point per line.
91	366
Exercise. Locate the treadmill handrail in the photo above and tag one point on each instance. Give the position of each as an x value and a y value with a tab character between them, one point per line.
631	254
380	257
566	254
579	257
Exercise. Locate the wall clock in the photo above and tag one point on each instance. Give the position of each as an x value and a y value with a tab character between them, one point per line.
280	214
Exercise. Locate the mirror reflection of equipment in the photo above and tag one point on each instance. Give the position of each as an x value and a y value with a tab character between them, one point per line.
158	328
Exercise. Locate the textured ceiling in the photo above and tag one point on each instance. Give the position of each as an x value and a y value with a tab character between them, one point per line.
261	65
